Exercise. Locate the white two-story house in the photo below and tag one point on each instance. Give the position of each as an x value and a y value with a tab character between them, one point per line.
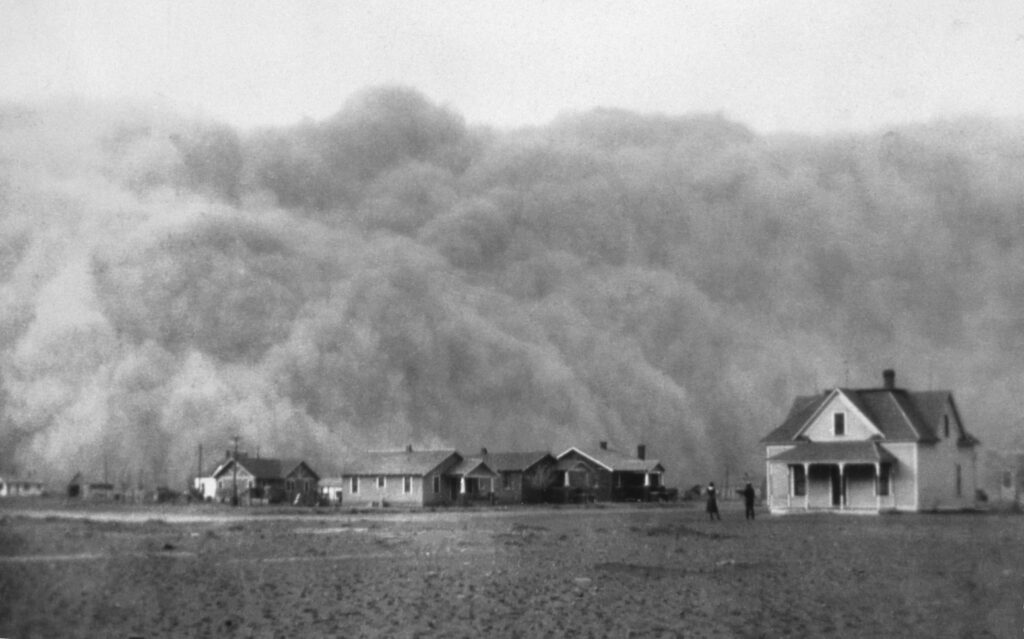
871	450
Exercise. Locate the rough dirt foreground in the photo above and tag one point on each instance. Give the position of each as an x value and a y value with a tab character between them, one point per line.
586	572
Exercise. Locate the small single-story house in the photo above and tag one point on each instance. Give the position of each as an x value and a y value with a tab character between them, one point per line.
609	475
871	450
19	487
266	479
81	488
522	478
407	477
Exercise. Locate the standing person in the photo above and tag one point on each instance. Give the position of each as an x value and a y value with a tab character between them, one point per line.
748	499
712	506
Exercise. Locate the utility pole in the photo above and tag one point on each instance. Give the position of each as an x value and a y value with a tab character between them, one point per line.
234	472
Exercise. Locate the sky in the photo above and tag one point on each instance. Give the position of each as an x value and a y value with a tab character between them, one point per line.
772	65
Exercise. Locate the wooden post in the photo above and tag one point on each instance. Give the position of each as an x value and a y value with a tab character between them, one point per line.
842	487
807	486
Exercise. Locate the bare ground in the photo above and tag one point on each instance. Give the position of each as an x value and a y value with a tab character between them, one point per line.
528	572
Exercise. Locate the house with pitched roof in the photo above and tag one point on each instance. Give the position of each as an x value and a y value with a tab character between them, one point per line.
11	486
522	478
871	450
406	477
608	475
266	479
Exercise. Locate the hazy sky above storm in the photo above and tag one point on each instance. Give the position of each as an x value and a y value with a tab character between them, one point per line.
777	65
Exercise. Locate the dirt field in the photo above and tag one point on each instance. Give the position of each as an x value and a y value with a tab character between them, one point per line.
551	572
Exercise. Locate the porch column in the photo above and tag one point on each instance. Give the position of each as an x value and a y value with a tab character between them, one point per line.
878	486
462	485
647	480
565	481
842	491
807	486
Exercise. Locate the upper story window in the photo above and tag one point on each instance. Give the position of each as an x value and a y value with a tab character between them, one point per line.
839	424
381	482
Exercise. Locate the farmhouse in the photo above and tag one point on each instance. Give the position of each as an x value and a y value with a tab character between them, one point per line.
18	487
82	488
266	479
407	477
871	450
523	478
608	475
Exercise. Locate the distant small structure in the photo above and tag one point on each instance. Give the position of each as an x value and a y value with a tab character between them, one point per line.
82	488
1004	476
19	487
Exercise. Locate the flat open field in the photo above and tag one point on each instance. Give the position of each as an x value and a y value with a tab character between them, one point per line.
528	572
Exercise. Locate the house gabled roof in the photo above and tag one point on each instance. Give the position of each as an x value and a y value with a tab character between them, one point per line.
403	462
264	467
615	461
836	452
898	414
513	462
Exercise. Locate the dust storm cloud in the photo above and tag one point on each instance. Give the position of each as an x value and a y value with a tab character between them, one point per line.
391	275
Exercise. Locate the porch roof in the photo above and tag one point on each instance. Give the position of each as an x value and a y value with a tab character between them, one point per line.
472	467
834	452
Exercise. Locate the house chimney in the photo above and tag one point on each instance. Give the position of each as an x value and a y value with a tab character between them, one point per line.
889	377
408	448
483	451
603	445
641	452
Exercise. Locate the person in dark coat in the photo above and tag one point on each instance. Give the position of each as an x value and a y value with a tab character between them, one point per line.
712	506
748	499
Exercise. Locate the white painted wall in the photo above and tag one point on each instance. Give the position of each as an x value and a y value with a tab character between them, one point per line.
937	464
858	428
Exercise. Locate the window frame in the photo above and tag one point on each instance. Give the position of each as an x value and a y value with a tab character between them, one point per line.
407	484
382	482
839	424
355	485
437	484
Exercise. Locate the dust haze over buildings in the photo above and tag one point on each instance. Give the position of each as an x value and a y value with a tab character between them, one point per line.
391	275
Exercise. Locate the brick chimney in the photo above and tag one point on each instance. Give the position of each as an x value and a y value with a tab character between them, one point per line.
889	378
603	445
483	451
408	448
641	452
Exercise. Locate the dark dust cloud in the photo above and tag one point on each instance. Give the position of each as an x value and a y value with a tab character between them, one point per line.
391	275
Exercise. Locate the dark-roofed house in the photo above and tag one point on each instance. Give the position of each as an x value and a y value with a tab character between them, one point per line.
523	478
267	479
406	477
609	475
871	450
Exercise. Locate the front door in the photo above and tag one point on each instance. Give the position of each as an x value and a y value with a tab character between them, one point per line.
837	486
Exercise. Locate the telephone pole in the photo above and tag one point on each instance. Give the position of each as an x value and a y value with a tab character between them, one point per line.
234	472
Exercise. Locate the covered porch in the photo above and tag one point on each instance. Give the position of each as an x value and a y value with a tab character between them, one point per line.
833	476
472	480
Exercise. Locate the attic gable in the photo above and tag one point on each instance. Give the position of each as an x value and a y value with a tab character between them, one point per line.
841	417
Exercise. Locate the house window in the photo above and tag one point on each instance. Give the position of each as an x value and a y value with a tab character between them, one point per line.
437	483
1007	479
945	425
355	485
506	480
799	481
407	485
884	472
959	481
380	482
839	424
